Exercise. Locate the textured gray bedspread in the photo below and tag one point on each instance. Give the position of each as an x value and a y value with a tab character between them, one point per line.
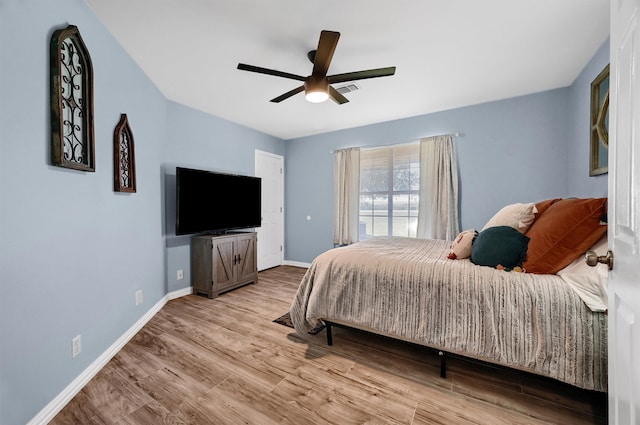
407	288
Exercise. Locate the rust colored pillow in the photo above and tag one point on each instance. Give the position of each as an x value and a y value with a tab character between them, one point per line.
542	206
563	232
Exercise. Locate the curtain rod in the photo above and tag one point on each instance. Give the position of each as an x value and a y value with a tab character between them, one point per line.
454	134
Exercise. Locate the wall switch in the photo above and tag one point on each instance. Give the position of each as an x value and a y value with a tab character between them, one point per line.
76	346
180	275
139	298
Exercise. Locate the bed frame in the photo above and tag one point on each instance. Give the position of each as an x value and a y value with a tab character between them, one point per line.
443	354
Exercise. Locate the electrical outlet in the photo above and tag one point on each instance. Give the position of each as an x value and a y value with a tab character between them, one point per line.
139	298
76	346
180	274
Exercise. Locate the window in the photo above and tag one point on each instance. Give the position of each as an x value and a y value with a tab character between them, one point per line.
389	191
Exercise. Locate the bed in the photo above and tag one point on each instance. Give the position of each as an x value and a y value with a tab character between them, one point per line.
410	289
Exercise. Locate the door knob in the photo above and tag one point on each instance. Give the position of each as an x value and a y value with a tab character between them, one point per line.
592	259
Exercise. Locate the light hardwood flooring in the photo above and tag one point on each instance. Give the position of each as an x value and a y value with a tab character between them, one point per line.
224	361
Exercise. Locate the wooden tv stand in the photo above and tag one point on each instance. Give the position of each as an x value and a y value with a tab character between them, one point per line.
220	263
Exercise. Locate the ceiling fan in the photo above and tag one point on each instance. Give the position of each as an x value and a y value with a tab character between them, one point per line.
317	86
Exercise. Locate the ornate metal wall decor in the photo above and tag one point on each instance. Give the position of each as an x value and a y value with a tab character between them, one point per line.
124	165
599	158
72	144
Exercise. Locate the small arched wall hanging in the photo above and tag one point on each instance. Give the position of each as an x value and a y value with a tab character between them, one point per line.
124	164
71	93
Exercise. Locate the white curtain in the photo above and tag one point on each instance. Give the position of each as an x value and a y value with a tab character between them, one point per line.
438	209
347	196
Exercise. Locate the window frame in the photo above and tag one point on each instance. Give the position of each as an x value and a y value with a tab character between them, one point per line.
390	193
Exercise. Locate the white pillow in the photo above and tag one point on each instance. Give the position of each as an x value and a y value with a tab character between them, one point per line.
461	246
518	216
590	283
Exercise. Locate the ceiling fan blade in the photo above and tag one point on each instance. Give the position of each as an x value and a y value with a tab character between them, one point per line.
287	94
337	96
362	75
260	70
326	47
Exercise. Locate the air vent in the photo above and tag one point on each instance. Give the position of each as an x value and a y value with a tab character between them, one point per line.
347	89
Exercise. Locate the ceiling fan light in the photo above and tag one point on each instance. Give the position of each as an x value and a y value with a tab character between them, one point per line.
317	96
316	90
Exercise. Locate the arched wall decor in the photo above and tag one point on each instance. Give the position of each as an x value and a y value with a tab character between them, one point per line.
124	165
71	93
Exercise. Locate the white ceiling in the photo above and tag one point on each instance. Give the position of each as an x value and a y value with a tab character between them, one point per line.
448	53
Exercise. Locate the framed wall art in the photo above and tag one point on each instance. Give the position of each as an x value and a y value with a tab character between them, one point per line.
124	164
599	144
71	96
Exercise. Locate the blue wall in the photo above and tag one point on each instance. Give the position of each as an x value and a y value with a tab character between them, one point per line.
73	252
522	149
199	140
580	184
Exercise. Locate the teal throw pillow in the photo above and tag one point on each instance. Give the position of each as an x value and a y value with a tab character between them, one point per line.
502	245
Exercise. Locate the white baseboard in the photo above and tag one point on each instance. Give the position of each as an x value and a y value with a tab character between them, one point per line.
296	264
179	293
57	404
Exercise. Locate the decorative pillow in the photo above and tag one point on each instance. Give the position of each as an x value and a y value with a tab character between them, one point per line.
461	246
518	216
499	245
542	206
590	283
564	232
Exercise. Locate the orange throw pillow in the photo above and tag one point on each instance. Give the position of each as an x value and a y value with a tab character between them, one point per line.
542	206
564	232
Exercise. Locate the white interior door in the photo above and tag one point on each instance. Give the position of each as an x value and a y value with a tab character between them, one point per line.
624	222
270	168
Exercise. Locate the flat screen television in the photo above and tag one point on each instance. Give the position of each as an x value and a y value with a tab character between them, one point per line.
211	202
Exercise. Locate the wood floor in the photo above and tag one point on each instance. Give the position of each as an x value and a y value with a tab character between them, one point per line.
224	361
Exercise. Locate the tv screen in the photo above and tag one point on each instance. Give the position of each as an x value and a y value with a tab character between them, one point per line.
213	202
